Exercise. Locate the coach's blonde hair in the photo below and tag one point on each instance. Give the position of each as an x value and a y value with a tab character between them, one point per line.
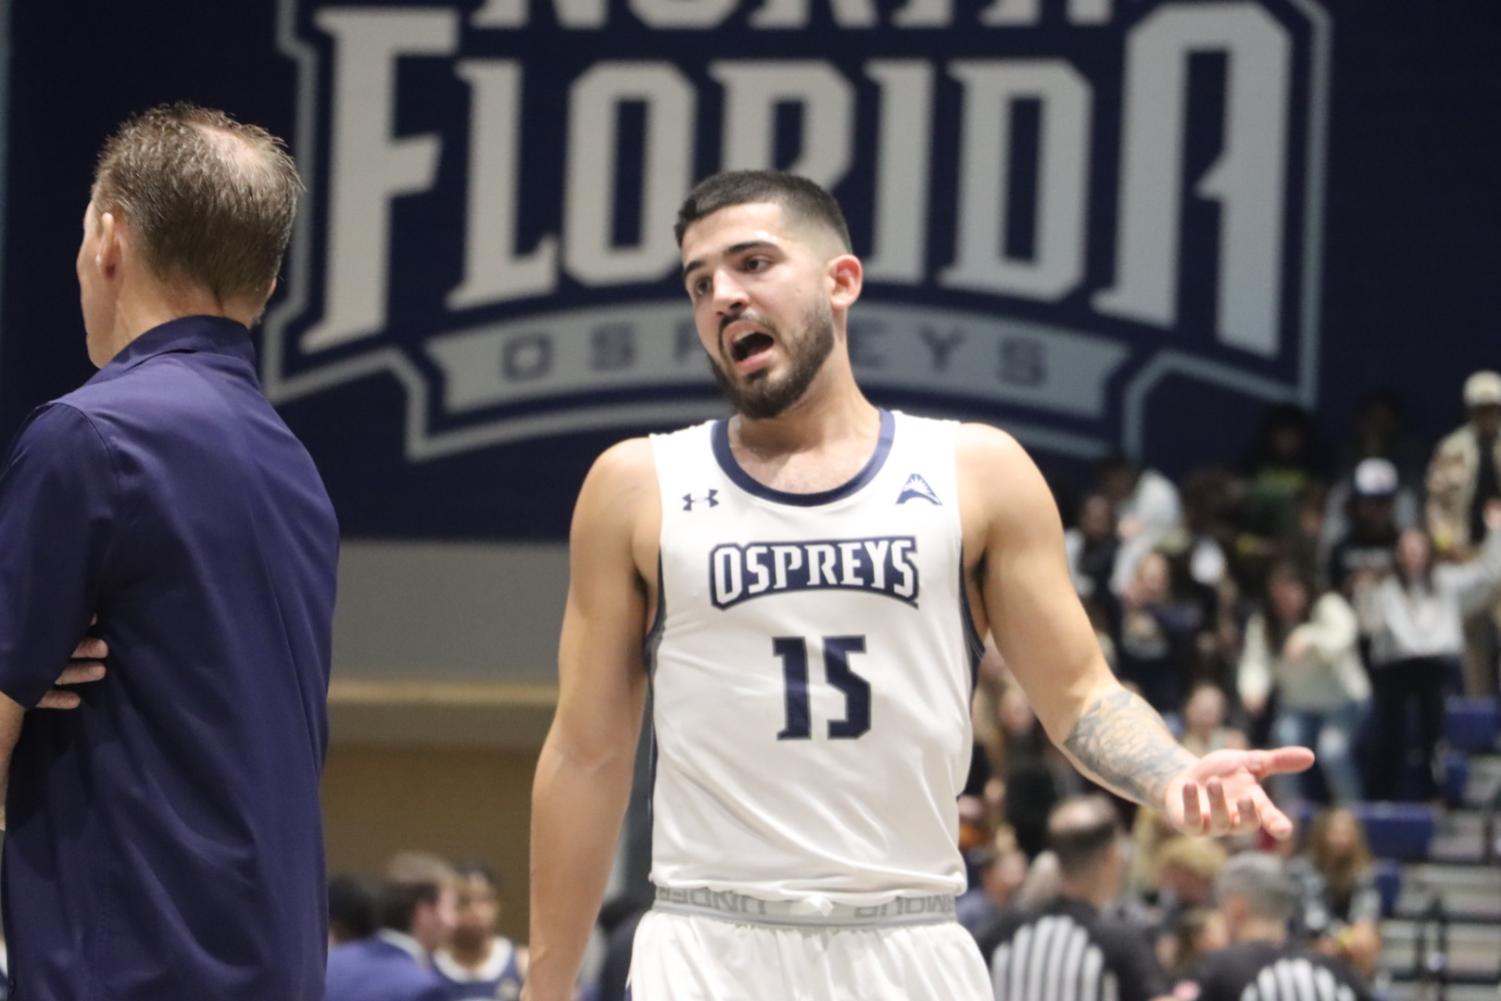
211	199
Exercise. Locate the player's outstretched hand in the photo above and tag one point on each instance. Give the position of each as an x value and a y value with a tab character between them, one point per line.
1221	793
86	664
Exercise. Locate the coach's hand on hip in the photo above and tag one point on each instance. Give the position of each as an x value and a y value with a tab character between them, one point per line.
85	665
1221	793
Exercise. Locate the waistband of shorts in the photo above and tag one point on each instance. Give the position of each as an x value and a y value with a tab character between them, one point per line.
812	911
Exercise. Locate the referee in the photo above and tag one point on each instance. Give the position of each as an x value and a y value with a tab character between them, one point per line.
1257	900
163	840
1067	951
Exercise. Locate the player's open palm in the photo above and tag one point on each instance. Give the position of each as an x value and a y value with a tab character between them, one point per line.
1222	792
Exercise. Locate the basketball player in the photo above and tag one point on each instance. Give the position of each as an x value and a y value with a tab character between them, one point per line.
805	587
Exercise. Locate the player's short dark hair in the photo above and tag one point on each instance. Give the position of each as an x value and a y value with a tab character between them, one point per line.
1080	831
211	199
800	198
411	878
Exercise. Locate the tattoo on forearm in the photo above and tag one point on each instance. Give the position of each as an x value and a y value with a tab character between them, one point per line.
1125	743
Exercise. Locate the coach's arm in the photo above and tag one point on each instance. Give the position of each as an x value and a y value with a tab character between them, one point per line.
584	774
57	517
1012	528
87	665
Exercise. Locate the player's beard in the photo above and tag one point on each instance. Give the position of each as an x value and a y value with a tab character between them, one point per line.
762	396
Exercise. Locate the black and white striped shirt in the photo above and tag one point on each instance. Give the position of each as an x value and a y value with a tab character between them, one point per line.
1067	952
1261	971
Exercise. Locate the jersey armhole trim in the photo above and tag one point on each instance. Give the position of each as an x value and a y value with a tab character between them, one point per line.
974	643
653	639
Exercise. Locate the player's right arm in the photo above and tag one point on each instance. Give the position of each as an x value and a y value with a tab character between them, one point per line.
584	774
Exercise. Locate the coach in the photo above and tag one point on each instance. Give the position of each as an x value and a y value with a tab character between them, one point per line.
164	839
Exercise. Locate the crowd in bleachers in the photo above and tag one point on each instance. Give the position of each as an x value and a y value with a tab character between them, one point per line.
1325	597
1327	594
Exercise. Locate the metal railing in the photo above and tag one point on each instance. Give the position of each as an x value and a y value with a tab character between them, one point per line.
1430	962
1490	838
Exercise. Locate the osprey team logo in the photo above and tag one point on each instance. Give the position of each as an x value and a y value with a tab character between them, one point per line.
1062	206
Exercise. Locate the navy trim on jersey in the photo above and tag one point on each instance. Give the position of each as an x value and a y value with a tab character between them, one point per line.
974	643
743	480
649	649
653	639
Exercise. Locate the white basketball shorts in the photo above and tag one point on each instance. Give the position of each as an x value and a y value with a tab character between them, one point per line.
693	957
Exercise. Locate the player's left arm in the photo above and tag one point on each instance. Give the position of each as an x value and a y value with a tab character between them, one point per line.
1041	629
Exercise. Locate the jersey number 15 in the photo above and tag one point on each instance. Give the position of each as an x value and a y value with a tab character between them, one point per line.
836	659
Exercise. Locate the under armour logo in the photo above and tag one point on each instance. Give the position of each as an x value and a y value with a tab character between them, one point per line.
916	487
711	498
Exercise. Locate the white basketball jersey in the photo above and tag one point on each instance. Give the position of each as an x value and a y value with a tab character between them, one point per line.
812	666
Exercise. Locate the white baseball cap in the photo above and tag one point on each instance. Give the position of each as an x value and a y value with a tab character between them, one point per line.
1375	477
1483	389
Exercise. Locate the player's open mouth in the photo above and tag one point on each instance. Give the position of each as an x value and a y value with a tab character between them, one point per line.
750	344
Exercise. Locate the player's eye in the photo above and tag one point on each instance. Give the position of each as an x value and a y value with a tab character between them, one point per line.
699	288
757	263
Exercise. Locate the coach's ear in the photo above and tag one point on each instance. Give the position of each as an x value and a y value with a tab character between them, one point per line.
110	251
846	277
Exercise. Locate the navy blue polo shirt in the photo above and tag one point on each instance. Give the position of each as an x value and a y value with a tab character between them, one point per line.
164	840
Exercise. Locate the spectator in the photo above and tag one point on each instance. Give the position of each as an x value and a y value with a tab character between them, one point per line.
478	962
1285	459
1406	509
1366	551
1204	728
1002	871
1462	478
416	916
975	832
1302	544
1151	832
1418	613
1256	900
1341	904
1305	649
1030	953
1376	432
1155	635
1207	504
351	909
991	682
1092	546
1032	785
1187	868
1146	506
1200	932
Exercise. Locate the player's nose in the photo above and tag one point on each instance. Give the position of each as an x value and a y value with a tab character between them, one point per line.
729	295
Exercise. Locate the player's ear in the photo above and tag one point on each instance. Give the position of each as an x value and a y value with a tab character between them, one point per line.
846	277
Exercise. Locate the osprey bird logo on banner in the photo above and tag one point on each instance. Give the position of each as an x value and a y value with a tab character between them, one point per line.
1061	206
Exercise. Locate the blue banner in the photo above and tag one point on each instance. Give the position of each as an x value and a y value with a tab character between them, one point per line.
1103	224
